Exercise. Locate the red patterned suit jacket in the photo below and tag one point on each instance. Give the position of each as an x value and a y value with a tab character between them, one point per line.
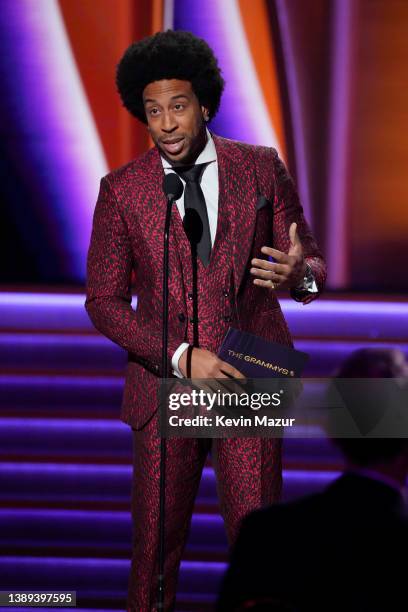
258	195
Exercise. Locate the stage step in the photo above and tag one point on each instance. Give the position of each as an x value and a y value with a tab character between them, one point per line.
56	352
60	394
110	441
65	457
81	354
327	317
64	396
111	484
94	578
107	534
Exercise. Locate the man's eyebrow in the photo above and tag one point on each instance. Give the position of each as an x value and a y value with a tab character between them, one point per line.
179	96
146	100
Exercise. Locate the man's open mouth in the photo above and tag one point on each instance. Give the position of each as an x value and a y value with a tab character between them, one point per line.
173	145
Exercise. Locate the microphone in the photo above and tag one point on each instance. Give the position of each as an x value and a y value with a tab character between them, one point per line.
193	226
172	186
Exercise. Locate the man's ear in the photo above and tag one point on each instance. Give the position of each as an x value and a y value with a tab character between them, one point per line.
206	114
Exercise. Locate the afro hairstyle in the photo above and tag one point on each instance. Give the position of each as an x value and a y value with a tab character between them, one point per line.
169	55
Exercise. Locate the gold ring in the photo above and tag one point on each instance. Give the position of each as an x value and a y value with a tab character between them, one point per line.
273	286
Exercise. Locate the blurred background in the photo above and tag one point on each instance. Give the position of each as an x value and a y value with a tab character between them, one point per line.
323	81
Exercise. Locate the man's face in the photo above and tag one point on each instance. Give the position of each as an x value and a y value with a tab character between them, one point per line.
175	120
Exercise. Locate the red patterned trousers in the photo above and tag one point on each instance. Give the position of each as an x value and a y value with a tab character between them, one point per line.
248	474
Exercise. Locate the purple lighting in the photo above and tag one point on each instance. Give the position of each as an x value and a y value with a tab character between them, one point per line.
378	320
49	130
95	563
339	146
124	471
243	114
295	104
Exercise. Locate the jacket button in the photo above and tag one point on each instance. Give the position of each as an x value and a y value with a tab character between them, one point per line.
181	317
227	319
190	296
226	293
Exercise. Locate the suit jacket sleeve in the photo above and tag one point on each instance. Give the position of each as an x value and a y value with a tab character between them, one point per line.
108	289
287	210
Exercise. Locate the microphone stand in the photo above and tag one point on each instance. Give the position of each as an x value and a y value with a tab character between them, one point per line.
193	227
195	293
164	362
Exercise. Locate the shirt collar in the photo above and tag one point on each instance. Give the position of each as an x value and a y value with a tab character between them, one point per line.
207	155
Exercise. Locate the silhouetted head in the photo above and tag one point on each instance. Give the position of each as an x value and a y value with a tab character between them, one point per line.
372	363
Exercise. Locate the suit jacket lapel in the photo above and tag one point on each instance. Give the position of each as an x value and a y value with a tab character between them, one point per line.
155	214
237	199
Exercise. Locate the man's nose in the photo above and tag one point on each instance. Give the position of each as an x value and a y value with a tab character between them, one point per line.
169	123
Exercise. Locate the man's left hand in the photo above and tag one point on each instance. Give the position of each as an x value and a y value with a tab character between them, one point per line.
288	269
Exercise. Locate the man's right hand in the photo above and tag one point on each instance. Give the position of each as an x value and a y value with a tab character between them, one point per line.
205	364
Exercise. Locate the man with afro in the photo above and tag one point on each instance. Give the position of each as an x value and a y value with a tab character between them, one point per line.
249	212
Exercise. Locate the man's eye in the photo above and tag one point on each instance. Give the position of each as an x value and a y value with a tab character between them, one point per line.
179	106
153	111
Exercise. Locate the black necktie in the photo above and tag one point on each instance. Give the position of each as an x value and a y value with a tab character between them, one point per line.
194	198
